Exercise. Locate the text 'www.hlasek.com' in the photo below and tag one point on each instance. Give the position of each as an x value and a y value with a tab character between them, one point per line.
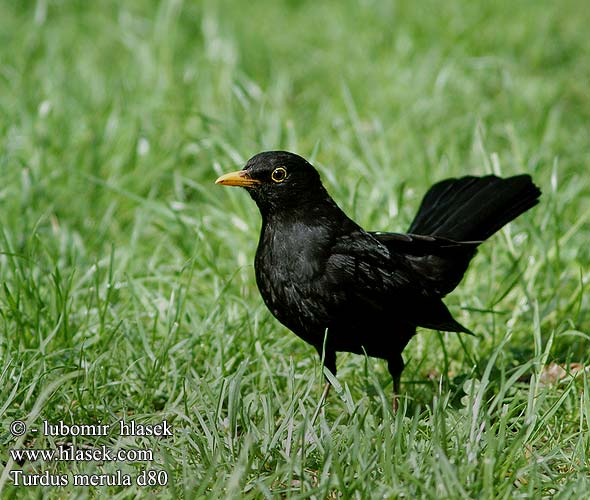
68	447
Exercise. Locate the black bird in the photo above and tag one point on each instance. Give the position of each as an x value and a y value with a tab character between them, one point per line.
341	288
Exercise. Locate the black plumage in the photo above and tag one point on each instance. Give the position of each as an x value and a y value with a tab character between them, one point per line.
341	288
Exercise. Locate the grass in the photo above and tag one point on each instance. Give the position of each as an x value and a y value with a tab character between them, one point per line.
127	279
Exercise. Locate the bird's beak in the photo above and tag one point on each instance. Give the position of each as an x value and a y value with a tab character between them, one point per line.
239	178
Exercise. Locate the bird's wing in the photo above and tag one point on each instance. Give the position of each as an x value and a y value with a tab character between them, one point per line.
360	262
437	263
379	263
417	244
368	272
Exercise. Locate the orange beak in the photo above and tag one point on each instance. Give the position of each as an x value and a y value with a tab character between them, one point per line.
239	178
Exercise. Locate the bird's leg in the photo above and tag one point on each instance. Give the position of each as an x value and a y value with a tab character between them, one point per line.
395	364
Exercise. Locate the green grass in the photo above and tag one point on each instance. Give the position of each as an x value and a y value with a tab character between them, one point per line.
127	281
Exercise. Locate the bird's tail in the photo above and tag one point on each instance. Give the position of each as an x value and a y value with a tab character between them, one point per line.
473	208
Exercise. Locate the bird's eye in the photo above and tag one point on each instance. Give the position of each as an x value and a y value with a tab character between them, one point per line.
279	174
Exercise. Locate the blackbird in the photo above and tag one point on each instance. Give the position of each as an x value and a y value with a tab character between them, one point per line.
341	288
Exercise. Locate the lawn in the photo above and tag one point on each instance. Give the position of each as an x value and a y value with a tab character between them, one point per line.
127	284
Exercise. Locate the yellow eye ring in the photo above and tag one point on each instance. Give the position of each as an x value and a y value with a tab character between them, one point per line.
279	174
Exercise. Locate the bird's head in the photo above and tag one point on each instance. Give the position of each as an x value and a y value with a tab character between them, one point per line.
277	180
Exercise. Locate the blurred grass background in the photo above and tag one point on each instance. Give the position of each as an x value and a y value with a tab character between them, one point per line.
127	279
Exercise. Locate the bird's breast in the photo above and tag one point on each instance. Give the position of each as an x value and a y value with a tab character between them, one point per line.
290	274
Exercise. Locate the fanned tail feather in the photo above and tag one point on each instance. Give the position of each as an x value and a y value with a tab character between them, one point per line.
473	208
